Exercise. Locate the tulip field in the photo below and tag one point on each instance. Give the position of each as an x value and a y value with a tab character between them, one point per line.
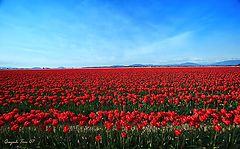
175	107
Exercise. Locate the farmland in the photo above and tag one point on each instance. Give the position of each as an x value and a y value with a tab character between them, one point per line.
120	108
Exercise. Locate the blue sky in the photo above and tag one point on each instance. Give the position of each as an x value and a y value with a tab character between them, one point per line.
76	33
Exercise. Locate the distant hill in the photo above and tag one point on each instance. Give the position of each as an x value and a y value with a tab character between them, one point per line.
137	65
167	65
189	64
117	66
3	67
36	68
227	63
61	67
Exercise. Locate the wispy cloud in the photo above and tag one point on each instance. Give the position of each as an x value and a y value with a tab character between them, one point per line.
164	47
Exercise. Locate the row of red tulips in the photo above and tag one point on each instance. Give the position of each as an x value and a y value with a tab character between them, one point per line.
120	120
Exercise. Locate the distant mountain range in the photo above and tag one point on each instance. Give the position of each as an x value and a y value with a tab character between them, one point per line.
186	64
227	63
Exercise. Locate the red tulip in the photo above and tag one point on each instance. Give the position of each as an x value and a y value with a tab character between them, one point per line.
27	124
7	117
98	138
15	127
36	122
66	129
54	122
217	128
108	125
178	132
49	129
92	115
123	134
237	119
